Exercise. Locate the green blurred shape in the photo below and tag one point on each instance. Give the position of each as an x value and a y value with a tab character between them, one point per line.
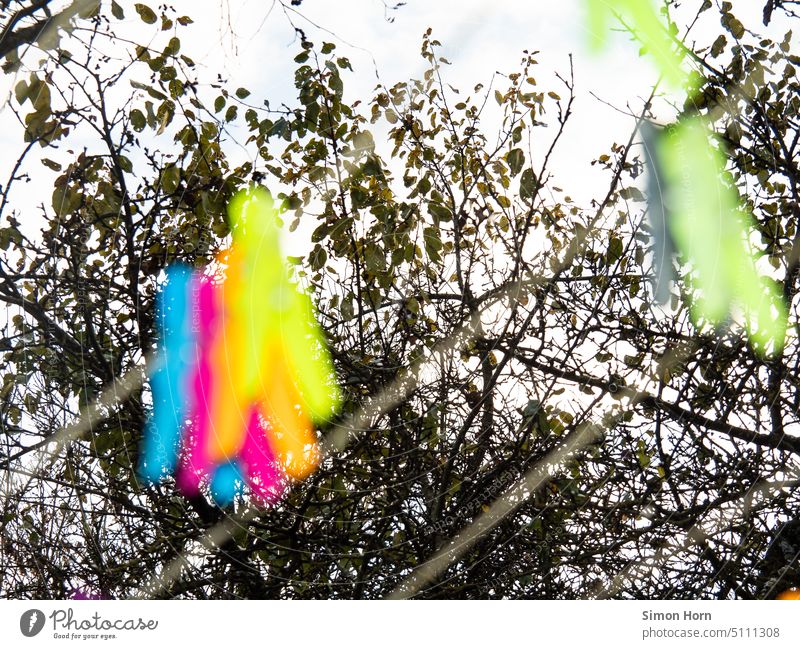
712	231
642	17
270	307
703	213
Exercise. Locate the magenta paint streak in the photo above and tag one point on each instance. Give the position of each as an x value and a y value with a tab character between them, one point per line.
261	466
86	594
196	465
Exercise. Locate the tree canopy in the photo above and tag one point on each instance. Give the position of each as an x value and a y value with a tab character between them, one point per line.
425	228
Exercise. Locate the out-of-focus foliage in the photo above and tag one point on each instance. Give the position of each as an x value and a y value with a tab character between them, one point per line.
643	20
700	214
419	216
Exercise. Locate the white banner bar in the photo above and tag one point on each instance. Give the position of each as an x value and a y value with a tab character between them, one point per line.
389	625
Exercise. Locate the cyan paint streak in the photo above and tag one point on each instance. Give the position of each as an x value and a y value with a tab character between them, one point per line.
169	382
227	483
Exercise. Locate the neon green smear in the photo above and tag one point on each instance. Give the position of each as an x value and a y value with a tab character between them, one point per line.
711	230
643	19
272	309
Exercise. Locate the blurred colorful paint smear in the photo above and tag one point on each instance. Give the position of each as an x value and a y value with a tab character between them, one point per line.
245	374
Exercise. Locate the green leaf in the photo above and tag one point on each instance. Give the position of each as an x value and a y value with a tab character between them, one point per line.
170	178
733	25
633	360
116	11
375	259
175	88
433	244
242	93
318	257
14	415
150	90
173	47
138	120
145	13
125	164
230	114
39	95
65	200
5	241
219	103
719	45
528	185
440	212
631	193
615	249
21	91
642	455
515	159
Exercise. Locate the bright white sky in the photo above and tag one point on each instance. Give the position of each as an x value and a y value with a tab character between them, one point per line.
252	43
254	48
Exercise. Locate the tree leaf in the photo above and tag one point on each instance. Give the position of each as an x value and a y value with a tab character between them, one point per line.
116	11
719	45
170	178
528	184
433	243
631	193
515	159
615	249
145	13
138	120
51	164
733	25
